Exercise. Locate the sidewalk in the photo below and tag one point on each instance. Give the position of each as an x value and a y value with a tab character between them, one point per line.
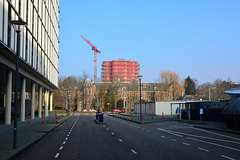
27	135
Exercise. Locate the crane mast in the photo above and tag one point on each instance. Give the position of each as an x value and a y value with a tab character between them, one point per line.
96	51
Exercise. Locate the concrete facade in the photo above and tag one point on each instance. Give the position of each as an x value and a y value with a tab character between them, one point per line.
38	64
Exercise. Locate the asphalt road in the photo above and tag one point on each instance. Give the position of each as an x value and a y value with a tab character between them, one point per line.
81	138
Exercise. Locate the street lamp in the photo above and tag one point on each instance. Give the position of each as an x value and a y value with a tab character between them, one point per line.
140	78
210	92
18	25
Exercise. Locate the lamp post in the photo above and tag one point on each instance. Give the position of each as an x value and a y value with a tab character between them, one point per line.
210	92
18	25
140	78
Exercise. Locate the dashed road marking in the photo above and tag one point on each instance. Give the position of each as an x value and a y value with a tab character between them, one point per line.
163	136
215	144
120	140
155	134
112	133
64	142
61	148
186	144
227	157
205	150
173	140
66	138
148	131
169	132
134	152
107	129
56	156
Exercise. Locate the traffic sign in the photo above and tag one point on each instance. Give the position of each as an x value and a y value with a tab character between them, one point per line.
201	111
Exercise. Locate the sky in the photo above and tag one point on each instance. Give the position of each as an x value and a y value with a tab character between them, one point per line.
196	38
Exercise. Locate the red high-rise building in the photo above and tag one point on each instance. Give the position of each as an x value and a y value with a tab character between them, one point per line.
125	70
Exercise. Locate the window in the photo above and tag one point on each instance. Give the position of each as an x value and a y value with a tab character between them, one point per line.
87	91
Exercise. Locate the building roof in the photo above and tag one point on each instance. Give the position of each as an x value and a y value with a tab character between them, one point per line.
235	91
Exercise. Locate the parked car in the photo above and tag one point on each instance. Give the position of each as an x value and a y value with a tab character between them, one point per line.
117	111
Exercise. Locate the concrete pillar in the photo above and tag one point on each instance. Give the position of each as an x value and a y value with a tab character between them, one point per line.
33	101
40	102
23	92
8	98
46	103
51	101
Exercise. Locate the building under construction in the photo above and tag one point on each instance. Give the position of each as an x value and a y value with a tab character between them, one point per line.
124	70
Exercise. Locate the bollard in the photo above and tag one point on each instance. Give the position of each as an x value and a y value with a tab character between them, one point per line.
42	119
132	117
56	119
152	115
28	119
162	115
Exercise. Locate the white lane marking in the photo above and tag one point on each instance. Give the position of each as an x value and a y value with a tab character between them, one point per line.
155	134
148	131
142	128
186	144
169	132
134	152
173	140
64	142
163	136
206	137
217	134
103	126
66	138
120	140
68	135
56	156
61	148
215	144
107	129
112	133
227	157
205	150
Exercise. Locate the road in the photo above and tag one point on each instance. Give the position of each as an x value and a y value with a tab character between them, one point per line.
81	138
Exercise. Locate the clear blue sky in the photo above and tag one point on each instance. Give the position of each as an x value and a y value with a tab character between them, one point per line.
200	38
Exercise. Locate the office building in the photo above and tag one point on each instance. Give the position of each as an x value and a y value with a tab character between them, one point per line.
38	64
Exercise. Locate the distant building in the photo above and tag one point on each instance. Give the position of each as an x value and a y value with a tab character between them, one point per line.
129	92
125	70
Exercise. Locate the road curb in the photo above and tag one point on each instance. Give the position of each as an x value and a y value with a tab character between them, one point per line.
31	144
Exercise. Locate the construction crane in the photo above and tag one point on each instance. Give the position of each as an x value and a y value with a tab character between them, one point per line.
95	56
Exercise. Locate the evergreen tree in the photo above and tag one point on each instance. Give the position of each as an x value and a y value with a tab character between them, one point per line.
190	86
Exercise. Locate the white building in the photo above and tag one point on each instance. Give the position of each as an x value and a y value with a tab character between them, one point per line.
38	65
166	107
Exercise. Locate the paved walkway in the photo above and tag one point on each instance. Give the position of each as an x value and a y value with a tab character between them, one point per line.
27	135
